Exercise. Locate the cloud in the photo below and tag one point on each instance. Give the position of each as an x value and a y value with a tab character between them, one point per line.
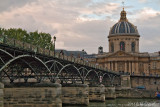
148	21
142	1
77	24
7	5
65	21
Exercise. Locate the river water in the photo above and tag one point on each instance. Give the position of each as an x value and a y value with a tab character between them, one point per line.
125	103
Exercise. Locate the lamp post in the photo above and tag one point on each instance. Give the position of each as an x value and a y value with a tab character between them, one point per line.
83	55
54	45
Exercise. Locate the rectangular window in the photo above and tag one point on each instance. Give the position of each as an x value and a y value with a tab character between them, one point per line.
154	65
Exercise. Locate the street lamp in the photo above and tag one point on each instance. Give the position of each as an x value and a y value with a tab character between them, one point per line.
83	55
54	44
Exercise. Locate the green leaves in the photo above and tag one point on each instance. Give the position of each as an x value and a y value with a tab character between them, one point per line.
43	40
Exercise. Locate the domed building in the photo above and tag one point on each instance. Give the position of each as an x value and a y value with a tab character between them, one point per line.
123	36
124	55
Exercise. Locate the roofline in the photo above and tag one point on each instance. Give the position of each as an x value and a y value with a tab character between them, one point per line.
124	34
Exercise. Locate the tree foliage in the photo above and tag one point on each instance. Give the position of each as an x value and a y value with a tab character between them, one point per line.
43	40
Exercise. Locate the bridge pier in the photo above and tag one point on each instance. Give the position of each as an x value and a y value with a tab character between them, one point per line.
75	94
1	94
110	93
32	95
97	93
125	81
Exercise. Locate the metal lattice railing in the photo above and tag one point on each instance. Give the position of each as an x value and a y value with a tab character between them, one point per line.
26	46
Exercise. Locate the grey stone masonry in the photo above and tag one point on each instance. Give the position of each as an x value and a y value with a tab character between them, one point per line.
38	95
97	93
75	95
1	94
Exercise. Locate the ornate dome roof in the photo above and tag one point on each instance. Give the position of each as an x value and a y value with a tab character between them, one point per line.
123	27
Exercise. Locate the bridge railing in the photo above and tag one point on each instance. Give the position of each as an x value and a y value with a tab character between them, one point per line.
23	45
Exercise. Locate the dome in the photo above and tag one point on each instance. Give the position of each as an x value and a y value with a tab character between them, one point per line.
123	27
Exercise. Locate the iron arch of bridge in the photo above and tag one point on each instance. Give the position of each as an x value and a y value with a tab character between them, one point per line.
12	59
111	78
6	53
91	73
54	65
83	72
72	66
22	56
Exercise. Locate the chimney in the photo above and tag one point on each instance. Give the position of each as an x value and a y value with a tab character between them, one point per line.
100	50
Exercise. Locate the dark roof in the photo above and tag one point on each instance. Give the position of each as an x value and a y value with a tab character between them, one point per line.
76	53
125	28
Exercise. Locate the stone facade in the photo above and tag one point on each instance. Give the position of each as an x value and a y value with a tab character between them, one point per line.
97	93
127	39
134	93
124	55
75	95
150	83
33	96
1	94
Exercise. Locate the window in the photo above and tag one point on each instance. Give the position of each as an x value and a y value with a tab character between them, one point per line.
122	46
154	65
133	47
112	47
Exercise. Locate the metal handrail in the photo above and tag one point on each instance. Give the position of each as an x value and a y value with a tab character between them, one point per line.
26	46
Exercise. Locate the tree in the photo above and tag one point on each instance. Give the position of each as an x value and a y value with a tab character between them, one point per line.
43	40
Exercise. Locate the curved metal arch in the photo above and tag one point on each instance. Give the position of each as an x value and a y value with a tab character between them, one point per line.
29	65
22	56
83	68
113	78
6	53
68	66
89	72
106	74
54	61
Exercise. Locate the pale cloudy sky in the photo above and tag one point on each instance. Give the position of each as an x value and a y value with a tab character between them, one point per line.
83	24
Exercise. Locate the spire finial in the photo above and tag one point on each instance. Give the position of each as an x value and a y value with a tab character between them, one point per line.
123	4
123	13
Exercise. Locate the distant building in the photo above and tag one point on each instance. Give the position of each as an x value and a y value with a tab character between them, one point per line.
124	55
78	54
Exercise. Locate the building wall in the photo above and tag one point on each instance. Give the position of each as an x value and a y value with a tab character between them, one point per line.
126	39
155	65
151	83
125	62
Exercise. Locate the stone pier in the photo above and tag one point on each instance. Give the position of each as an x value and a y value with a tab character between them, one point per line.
134	93
32	95
75	94
97	93
110	93
1	94
125	81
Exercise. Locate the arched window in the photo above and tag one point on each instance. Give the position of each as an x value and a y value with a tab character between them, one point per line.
133	47
122	46
112	47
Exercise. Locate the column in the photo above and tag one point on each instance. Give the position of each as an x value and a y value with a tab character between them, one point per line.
116	66
137	68
109	65
125	66
133	67
129	67
112	65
